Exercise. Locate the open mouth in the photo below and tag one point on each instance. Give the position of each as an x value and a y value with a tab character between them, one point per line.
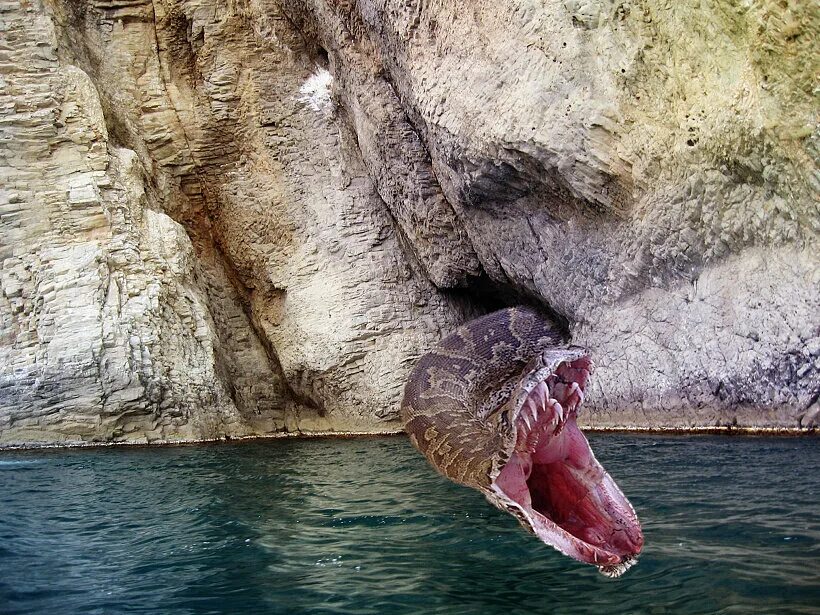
554	485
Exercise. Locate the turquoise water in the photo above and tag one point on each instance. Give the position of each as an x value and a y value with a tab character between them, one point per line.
732	525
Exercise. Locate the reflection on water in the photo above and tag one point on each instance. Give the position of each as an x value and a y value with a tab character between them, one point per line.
365	526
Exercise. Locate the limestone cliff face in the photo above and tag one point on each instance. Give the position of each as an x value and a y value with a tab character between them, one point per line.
238	218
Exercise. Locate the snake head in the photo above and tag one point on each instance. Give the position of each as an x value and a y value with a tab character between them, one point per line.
494	407
548	477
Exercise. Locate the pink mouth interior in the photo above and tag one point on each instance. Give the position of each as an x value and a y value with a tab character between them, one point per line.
552	477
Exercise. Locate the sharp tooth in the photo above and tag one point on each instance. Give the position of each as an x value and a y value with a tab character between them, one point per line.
531	407
559	409
526	420
574	388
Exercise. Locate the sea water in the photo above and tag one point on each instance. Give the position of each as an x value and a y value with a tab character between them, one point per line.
732	525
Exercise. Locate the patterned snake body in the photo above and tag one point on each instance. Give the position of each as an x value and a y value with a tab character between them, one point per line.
493	407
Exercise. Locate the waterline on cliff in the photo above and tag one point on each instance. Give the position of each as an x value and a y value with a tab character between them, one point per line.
389	433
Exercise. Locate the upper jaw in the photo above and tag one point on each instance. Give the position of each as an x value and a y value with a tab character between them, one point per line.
547	363
552	377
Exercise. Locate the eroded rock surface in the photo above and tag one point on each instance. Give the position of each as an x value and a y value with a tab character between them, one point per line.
227	219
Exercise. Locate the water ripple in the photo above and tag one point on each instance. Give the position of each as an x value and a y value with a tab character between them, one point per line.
365	526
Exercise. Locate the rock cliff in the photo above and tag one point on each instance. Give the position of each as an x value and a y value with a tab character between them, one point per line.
251	217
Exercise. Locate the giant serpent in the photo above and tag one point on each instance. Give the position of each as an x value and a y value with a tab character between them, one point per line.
494	407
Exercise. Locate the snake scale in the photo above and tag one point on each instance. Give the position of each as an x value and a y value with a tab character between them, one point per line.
493	407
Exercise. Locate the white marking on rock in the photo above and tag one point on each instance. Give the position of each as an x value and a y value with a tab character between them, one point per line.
316	91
